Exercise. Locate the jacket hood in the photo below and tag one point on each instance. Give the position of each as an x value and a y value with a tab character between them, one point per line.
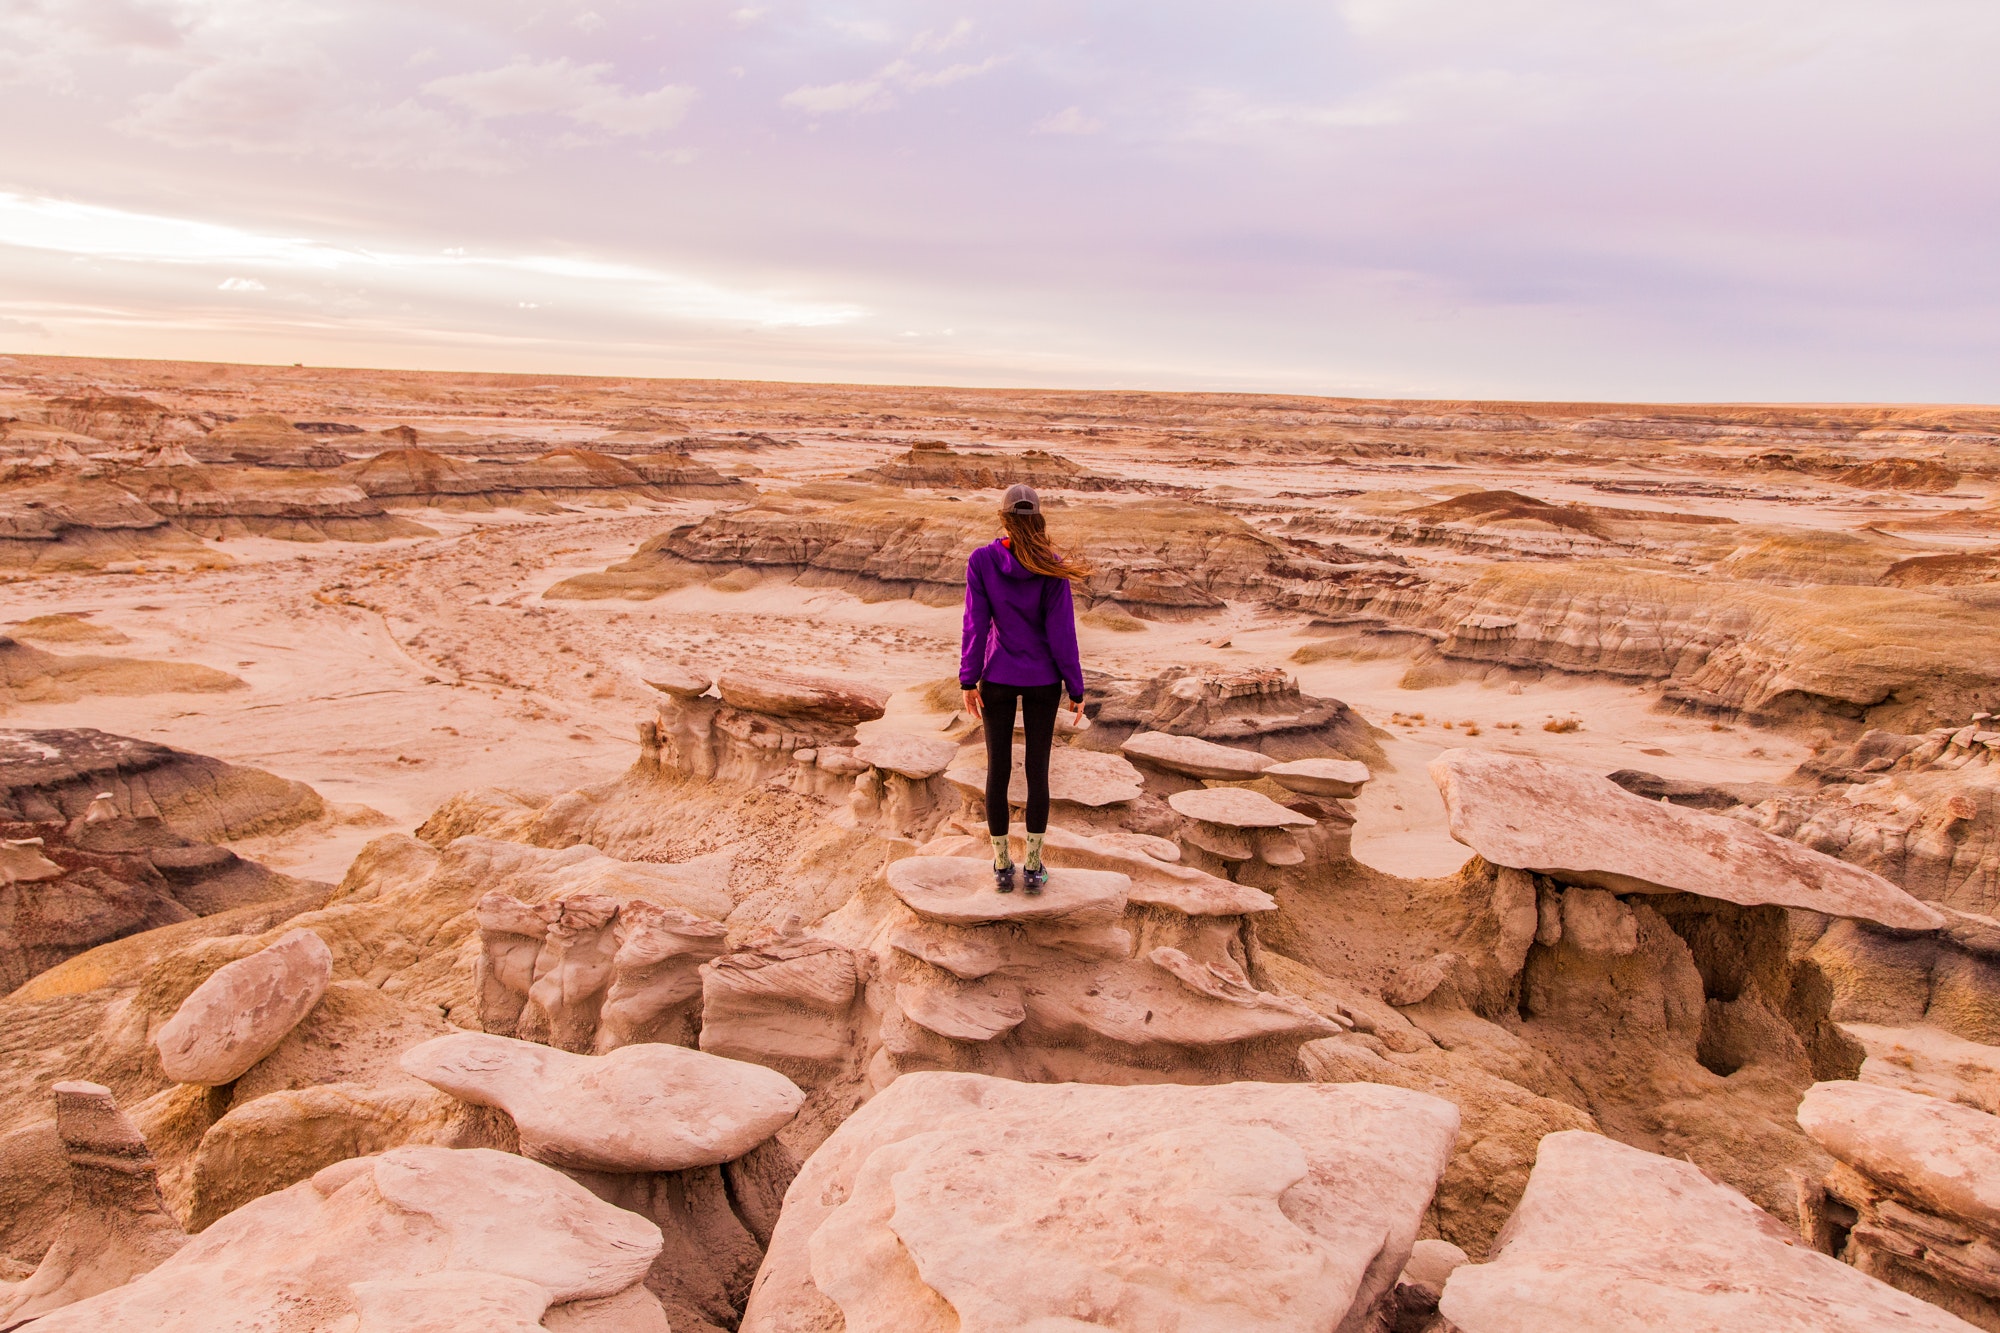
1009	566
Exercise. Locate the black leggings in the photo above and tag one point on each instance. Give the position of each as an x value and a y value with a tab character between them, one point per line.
1038	712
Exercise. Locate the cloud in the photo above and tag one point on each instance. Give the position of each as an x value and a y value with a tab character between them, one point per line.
1069	120
22	328
877	92
239	285
559	87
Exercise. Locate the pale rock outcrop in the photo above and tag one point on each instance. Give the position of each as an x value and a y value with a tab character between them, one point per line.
788	694
398	1243
959	892
240	1014
1919	1182
1579	828
958	1201
639	1108
1320	777
679	682
1611	1238
1931	1061
909	756
1236	824
902	788
117	1225
1086	779
1257	708
655	990
1193	757
785	999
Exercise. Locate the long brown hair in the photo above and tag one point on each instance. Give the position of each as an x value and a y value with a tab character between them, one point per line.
1028	539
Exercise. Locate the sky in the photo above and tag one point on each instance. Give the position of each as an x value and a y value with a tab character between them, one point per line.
1661	200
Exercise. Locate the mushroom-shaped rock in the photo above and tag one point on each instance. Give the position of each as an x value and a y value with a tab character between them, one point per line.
470	1237
639	1108
1078	777
1195	757
1941	1155
1616	1240
1043	1206
784	694
240	1014
915	757
1584	829
117	1226
1320	777
958	891
1237	824
681	682
22	862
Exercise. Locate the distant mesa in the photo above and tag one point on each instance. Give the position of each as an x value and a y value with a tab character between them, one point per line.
936	465
1921	475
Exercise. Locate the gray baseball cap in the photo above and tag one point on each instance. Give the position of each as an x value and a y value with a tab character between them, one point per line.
1021	500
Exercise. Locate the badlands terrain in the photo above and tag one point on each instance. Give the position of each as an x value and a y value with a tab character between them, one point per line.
486	852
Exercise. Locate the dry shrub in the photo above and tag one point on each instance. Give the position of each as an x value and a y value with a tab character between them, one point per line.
1111	618
1562	725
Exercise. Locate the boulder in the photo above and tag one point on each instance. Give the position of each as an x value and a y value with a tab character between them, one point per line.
416	1240
1616	1240
1938	1154
958	891
117	1225
1338	778
915	757
1580	828
679	682
638	1108
240	1014
1195	757
784	694
1931	1061
962	1201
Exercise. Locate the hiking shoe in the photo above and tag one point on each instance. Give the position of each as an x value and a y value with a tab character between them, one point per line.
1003	879
1032	880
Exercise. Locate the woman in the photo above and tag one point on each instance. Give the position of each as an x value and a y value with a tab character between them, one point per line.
1019	645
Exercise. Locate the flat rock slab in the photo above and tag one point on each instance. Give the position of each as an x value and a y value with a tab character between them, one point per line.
1236	807
649	1107
679	681
958	891
240	1014
1616	1240
1931	1061
1942	1155
1196	757
1583	829
489	1233
983	1204
1320	777
1078	777
784	694
915	757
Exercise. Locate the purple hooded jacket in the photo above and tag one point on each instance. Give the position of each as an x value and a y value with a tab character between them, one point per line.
1020	626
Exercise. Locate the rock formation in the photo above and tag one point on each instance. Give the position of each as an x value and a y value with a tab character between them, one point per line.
116	1227
244	1010
1609	1237
988	1204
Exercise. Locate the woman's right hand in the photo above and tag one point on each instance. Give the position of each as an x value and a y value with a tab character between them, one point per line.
974	707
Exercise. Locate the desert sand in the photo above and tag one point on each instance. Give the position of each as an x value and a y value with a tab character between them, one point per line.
397	632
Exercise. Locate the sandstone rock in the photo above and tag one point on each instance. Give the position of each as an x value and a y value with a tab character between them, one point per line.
240	1014
1930	1061
1611	1239
656	975
977	1011
117	1226
959	891
914	757
1076	777
1320	777
1596	922
680	682
1943	1156
784	998
638	1108
1580	828
1195	757
954	1200
784	694
1236	807
474	1237
22	862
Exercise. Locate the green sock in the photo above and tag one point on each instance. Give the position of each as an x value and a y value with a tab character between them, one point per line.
1035	850
1001	860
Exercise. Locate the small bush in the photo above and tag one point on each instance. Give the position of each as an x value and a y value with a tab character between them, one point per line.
1562	725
